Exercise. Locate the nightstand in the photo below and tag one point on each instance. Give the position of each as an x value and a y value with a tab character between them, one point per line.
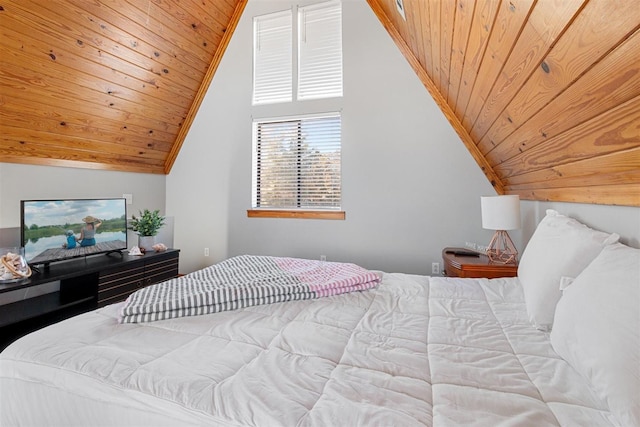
471	266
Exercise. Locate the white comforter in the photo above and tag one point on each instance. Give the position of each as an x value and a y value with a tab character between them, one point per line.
413	352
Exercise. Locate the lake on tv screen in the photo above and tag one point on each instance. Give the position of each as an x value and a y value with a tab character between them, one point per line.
34	248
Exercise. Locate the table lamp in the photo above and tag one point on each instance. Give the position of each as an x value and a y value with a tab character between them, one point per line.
501	213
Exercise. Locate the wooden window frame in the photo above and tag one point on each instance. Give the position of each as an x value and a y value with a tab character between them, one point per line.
296	214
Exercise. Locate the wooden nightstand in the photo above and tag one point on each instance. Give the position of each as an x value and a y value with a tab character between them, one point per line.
470	266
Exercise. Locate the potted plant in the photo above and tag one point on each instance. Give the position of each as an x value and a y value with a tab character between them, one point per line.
146	226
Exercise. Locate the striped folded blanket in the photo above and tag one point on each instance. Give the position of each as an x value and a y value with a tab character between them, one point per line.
244	281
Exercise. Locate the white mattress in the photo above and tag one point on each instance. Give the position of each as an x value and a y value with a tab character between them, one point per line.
416	351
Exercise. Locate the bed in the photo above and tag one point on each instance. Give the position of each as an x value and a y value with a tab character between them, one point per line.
410	351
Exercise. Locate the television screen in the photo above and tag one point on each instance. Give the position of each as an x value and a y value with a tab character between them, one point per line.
55	230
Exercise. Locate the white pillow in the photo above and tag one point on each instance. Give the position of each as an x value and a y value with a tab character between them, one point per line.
597	329
560	246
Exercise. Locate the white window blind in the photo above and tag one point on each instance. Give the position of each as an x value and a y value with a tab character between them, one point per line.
272	58
296	163
320	51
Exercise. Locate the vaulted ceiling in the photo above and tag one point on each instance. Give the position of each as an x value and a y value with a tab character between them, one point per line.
545	94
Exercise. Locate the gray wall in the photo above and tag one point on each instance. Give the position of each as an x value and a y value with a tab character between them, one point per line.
408	182
23	182
624	220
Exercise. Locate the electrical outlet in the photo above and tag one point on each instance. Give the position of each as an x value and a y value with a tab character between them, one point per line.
323	257
435	268
206	251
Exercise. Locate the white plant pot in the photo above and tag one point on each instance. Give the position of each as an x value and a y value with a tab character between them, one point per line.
146	242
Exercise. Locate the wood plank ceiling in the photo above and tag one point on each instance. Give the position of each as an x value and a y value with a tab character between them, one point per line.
545	94
106	84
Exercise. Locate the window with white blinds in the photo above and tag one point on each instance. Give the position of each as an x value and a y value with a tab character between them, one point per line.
318	54
272	58
320	51
296	163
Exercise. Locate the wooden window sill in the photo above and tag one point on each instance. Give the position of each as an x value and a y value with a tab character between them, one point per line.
266	213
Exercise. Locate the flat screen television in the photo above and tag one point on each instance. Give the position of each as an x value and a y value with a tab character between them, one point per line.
56	230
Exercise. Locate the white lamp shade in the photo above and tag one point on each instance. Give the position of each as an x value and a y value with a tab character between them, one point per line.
500	212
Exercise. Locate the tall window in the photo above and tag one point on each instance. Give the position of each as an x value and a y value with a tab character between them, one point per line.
318	38
296	160
296	163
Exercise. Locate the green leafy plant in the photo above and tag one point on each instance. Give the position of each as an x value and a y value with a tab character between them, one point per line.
148	223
